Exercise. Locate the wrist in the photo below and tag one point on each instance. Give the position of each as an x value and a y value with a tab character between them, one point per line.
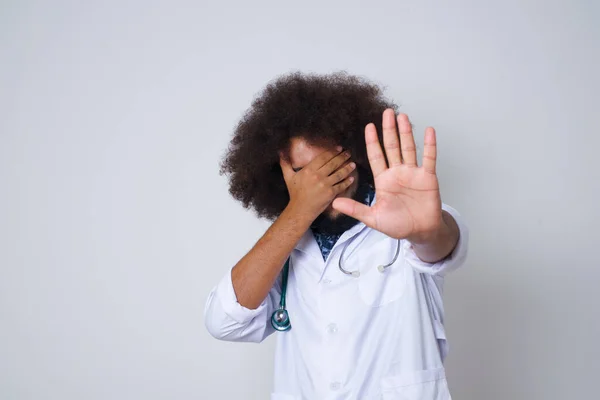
430	237
299	215
438	233
437	244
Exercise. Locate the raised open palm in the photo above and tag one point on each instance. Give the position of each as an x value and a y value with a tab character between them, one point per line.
408	202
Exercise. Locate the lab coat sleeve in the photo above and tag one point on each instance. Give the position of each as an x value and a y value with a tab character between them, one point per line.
448	264
226	319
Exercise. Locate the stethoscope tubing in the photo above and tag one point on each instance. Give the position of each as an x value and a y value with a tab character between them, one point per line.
280	319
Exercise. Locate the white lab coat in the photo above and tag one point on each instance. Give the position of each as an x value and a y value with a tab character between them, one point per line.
378	336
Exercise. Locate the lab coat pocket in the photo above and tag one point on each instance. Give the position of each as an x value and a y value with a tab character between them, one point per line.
282	396
416	385
378	288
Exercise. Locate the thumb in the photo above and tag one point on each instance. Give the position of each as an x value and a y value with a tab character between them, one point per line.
354	209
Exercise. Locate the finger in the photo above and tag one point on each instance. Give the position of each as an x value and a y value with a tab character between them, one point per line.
391	141
323	158
343	185
341	174
430	151
357	210
407	141
374	152
335	163
286	169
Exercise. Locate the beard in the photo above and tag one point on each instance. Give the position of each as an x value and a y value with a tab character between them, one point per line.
326	224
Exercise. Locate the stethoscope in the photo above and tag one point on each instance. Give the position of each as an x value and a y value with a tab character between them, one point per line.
280	319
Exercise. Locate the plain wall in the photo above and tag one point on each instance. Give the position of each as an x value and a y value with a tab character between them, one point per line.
115	222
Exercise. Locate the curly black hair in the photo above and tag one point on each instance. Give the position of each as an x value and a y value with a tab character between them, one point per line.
326	110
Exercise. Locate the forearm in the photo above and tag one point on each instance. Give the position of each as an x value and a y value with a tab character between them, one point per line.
254	275
440	243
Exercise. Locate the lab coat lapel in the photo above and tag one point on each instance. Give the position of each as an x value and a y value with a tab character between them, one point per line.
307	244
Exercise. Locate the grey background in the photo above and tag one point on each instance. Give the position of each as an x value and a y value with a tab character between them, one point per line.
115	224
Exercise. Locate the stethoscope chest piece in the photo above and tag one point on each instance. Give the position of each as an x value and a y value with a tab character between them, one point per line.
280	320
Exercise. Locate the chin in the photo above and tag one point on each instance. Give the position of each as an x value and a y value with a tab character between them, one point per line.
332	213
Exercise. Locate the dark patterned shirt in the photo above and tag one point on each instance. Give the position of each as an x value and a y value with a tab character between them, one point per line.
326	242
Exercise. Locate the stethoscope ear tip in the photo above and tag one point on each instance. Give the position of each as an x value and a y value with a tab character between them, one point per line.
380	268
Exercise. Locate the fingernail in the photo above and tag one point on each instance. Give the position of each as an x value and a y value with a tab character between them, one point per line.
339	148
351	179
353	165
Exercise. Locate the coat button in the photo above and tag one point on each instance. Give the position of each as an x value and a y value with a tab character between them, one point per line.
332	328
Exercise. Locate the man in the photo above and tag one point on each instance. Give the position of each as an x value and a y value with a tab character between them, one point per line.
363	235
